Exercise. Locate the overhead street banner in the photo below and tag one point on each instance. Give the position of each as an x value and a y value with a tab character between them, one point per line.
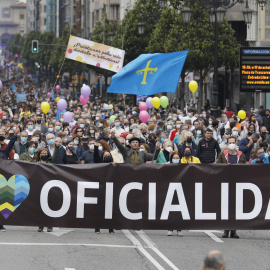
95	54
129	196
254	69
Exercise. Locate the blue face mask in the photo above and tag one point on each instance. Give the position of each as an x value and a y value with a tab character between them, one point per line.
117	124
174	119
50	130
30	127
175	161
162	140
81	125
76	142
51	142
4	117
57	128
66	132
23	139
32	150
169	127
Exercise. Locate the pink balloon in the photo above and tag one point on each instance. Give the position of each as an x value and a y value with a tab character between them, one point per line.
49	94
143	106
149	102
61	104
84	100
68	117
57	88
144	116
85	91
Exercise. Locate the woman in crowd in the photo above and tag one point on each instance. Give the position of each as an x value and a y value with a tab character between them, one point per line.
187	156
165	155
78	145
71	152
104	146
41	143
252	120
43	156
199	134
91	131
145	147
29	155
78	131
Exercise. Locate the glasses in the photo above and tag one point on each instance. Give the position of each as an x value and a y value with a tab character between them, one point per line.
79	131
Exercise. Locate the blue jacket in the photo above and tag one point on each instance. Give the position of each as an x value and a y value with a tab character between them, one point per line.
59	155
243	147
79	152
195	149
264	161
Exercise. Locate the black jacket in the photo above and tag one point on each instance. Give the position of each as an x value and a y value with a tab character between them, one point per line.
209	150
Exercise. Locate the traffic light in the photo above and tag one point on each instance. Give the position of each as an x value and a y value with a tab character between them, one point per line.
16	57
38	66
34	46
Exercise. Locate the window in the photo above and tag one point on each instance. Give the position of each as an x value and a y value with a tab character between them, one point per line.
21	15
267	13
45	9
6	12
267	33
45	21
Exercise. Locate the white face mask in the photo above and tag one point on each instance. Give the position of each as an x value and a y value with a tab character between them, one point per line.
141	150
175	161
100	148
232	146
100	125
91	147
169	149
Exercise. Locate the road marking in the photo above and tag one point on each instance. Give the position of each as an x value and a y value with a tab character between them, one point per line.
70	269
211	234
65	244
151	245
139	246
59	232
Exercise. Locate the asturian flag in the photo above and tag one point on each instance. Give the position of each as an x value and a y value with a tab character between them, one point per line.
150	74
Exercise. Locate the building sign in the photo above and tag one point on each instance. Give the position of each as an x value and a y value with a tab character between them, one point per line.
254	69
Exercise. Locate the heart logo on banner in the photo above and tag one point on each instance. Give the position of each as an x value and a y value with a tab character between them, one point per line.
12	193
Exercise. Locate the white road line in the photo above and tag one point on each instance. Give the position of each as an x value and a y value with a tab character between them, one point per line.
70	269
139	246
211	234
151	245
65	244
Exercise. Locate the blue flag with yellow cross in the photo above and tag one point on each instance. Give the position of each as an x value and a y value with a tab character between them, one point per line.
149	74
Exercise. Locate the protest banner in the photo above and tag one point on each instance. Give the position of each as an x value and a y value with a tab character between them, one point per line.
135	196
95	54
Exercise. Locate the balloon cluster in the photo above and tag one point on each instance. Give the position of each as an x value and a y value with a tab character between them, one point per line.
85	93
163	101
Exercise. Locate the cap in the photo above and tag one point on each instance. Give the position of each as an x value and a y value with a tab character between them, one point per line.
134	139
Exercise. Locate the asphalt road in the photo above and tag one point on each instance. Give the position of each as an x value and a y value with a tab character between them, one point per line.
23	248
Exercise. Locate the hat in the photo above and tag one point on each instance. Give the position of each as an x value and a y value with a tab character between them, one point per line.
134	139
133	126
256	110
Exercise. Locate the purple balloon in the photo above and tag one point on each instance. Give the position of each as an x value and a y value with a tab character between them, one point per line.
61	104
143	106
149	103
68	117
1	84
85	91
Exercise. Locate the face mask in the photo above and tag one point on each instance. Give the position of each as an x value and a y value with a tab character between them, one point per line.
169	149
235	133
92	131
67	132
174	119
199	132
169	127
226	140
50	130
23	139
39	121
97	118
175	161
162	140
32	150
169	117
134	112
189	114
81	125
189	140
4	117
71	148
61	119
54	121
2	138
263	133
38	138
127	142
141	150
100	148
44	158
76	142
107	159
117	124
57	128
91	147
187	154
100	125
232	146
14	128
178	126
210	122
51	142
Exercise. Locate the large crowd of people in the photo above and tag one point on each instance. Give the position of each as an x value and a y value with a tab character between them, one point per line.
170	135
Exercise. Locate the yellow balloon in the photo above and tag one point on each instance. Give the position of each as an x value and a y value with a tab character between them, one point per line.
45	107
193	86
57	99
156	102
242	114
110	106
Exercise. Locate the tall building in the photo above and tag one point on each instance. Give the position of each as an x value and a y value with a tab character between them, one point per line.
12	19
